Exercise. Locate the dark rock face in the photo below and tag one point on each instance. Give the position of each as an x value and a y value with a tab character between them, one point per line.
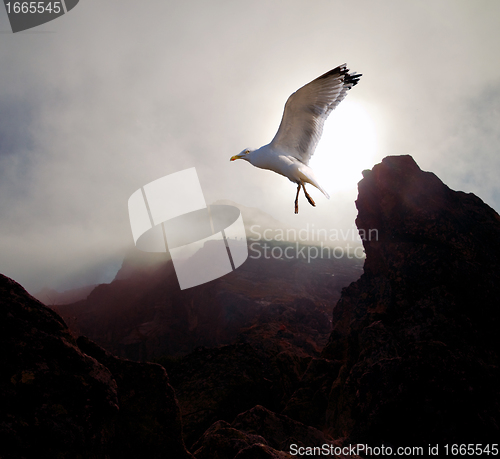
218	384
57	401
258	433
309	401
266	364
223	441
279	430
258	451
417	334
149	424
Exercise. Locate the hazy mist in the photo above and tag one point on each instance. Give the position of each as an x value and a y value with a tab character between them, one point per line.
120	93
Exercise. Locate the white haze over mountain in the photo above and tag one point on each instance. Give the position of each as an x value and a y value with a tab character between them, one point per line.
115	94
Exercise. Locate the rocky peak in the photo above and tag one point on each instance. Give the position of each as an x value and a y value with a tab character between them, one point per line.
402	206
417	334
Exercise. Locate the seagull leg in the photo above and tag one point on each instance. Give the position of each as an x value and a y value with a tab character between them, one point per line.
307	195
297	200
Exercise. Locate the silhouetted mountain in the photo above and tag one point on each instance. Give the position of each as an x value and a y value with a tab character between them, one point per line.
57	401
143	314
414	353
257	372
53	297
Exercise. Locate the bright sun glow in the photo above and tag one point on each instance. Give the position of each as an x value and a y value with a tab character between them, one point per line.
347	147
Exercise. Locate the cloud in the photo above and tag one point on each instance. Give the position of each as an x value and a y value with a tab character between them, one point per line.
124	92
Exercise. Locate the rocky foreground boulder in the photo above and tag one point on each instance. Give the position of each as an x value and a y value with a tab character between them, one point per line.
413	358
262	432
63	399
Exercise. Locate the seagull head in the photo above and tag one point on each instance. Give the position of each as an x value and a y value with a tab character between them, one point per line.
243	155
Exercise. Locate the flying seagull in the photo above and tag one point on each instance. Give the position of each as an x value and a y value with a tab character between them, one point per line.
301	127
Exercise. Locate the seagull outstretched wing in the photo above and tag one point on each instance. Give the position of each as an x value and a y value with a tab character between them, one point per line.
307	109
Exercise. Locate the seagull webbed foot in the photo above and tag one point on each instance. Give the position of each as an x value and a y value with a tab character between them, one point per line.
311	201
297	200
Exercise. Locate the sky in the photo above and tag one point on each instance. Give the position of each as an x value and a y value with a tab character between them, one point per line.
118	93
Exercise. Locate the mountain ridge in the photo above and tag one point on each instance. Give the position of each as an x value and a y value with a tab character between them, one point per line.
409	357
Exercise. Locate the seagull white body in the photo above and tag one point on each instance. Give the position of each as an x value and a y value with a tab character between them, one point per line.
284	163
301	127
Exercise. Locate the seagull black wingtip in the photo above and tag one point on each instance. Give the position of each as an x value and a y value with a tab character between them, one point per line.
353	78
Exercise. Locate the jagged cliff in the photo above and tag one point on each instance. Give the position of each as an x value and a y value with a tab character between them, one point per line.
414	352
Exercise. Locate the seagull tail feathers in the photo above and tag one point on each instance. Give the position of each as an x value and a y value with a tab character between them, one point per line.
320	188
324	192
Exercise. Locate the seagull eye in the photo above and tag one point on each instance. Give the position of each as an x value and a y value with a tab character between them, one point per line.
247	151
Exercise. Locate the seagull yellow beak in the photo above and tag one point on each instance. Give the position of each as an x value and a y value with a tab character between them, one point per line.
235	157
